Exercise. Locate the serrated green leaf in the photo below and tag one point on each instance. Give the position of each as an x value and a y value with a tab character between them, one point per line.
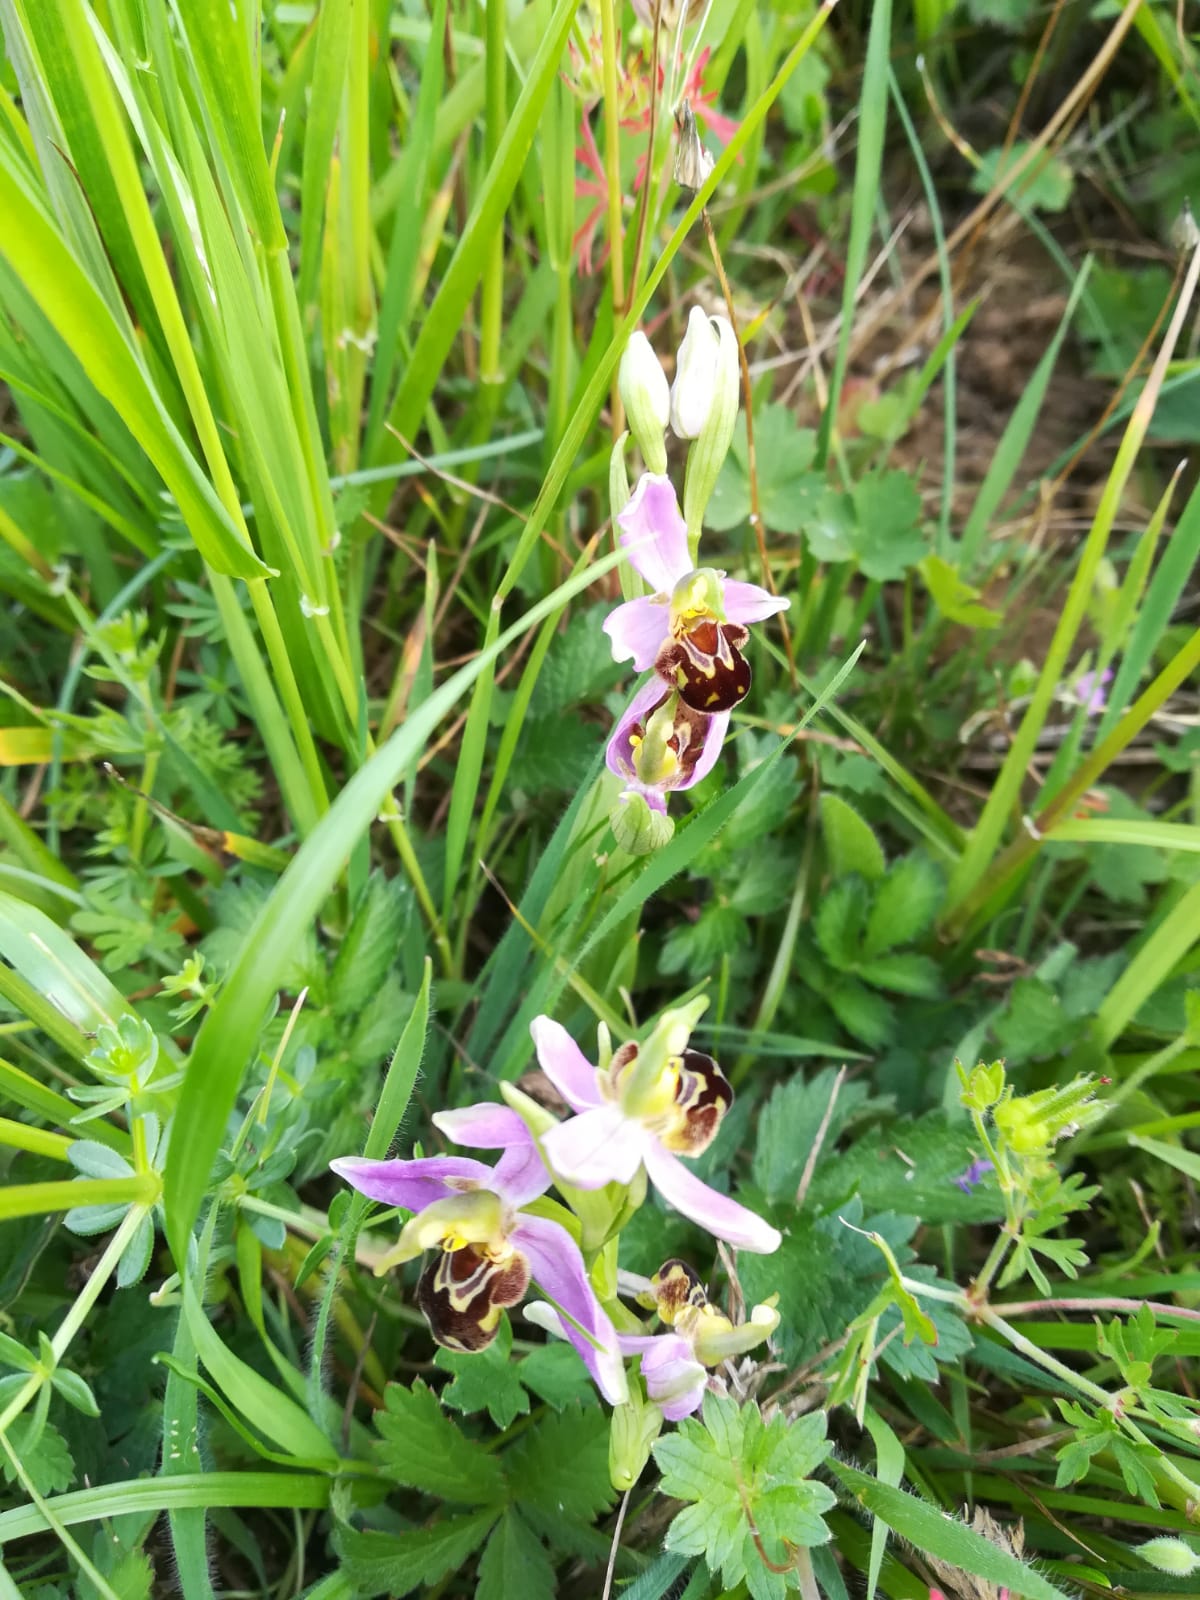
556	1375
905	904
851	844
422	1448
47	1459
396	1564
788	1127
863	1012
515	1562
840	921
903	972
487	1381
561	1466
744	1477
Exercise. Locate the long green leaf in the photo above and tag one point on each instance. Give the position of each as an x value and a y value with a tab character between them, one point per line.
226	1039
264	1406
138	1495
932	1531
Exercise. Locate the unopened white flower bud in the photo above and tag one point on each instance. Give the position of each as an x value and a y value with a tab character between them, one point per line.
694	388
646	396
712	440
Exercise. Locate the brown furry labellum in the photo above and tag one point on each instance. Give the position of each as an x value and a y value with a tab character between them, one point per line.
462	1292
706	665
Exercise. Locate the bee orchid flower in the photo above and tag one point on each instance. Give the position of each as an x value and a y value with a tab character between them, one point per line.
694	625
660	744
485	1245
675	1366
646	1107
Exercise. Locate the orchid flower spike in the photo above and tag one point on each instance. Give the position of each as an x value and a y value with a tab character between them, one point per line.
693	626
675	1366
486	1247
647	1106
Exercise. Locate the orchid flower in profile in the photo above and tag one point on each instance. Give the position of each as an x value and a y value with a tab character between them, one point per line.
692	628
645	1107
675	1366
486	1246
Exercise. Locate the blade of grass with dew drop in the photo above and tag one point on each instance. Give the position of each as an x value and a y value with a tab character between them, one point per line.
201	1489
1151	966
181	1458
225	1042
1001	804
868	170
1010	451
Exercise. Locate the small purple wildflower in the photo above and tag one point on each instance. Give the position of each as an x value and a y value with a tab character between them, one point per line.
974	1175
1089	689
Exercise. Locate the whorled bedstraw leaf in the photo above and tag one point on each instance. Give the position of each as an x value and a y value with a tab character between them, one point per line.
749	1490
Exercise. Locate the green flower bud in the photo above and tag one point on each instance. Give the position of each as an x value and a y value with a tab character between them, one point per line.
1032	1124
1170	1555
711	444
637	827
646	397
983	1087
634	1428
